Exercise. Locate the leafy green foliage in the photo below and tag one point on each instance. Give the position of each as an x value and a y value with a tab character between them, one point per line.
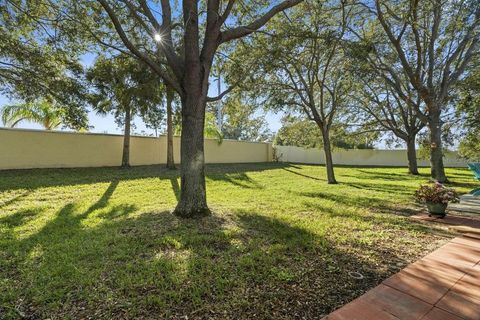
38	58
304	133
301	68
427	43
469	112
450	137
469	147
420	49
121	82
45	112
299	133
242	121
211	129
153	117
299	63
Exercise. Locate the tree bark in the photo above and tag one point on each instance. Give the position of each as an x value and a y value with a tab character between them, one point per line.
328	157
126	138
412	156
188	73
193	196
170	160
436	152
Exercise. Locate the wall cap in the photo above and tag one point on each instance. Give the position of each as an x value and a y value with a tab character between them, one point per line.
112	134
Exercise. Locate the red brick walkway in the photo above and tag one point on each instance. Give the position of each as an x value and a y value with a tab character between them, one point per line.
444	285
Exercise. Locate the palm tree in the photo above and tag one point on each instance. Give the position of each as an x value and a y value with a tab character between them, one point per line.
210	129
41	111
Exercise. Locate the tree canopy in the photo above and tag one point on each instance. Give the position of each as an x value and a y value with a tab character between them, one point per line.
45	112
469	112
120	82
244	121
431	44
39	57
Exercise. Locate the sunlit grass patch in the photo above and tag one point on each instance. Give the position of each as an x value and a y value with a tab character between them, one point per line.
102	242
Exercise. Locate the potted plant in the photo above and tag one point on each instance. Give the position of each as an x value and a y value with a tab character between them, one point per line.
436	196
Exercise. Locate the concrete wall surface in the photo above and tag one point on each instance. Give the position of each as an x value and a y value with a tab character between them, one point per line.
359	157
22	149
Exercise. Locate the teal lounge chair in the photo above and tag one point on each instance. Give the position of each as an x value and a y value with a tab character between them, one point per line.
475	167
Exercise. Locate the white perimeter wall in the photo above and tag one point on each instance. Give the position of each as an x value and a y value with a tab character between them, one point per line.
20	148
23	149
358	157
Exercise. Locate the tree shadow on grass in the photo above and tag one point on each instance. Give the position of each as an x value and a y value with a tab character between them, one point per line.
390	175
51	252
123	264
396	176
40	178
118	211
344	199
20	217
383	187
4	203
383	217
153	265
371	204
462	175
103	201
373	174
453	184
302	175
368	175
175	187
237	179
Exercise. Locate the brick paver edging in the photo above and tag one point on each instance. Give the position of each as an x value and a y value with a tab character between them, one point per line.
444	285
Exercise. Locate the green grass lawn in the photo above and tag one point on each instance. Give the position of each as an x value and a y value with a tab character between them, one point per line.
281	244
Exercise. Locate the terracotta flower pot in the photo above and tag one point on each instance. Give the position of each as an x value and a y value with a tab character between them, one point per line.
437	209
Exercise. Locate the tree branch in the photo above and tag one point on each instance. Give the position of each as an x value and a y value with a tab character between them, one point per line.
257	24
221	95
130	46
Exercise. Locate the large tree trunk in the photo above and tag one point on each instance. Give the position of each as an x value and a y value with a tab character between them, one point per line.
193	197
126	138
328	157
436	152
412	155
170	160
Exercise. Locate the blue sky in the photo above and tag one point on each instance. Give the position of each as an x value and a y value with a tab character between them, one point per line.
106	124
